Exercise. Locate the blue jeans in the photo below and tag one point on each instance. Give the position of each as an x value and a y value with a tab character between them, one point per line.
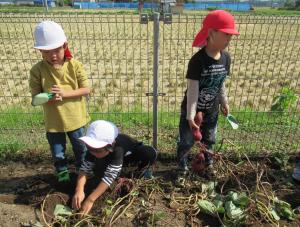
186	140
57	142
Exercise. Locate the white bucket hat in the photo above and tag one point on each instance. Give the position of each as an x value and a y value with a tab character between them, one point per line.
100	133
49	35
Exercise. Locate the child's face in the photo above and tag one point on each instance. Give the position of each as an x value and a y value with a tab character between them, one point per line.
219	40
99	152
55	57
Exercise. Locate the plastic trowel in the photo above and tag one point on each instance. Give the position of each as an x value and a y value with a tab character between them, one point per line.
41	98
232	121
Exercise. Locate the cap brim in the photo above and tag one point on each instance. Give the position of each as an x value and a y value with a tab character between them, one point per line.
50	47
229	31
93	143
200	39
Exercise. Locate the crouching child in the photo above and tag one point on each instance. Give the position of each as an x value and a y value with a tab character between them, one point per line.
108	150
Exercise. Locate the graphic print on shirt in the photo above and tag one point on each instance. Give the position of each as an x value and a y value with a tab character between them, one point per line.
210	83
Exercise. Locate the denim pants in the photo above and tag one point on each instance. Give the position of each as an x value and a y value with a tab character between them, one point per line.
186	140
57	142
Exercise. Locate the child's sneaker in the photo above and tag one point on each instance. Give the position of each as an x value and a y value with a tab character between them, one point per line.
63	176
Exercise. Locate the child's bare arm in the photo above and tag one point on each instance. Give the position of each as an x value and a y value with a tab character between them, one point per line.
224	101
89	201
192	97
79	191
223	96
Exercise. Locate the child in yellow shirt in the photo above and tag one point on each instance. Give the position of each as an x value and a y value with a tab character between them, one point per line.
66	113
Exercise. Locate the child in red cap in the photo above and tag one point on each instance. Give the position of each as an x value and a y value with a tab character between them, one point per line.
205	93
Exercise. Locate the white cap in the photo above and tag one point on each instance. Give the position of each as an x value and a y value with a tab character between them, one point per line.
100	133
49	35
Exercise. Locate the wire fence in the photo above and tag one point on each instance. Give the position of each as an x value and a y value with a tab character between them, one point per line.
118	51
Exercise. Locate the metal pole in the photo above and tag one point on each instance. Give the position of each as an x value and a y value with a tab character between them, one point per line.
155	75
46	5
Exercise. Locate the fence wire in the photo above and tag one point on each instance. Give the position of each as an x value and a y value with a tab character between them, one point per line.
117	52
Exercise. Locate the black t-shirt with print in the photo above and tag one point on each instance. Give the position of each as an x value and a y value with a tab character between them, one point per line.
211	74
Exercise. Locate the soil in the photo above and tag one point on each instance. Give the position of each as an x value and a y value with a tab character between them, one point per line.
29	193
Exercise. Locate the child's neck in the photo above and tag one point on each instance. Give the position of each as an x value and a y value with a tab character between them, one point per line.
57	65
212	52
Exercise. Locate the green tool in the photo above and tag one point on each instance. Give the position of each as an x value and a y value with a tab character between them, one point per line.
63	176
232	121
41	98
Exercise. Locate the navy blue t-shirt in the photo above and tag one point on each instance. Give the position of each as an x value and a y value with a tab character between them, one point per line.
211	74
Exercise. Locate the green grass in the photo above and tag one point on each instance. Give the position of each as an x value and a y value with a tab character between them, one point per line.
10	147
275	11
265	11
259	131
18	118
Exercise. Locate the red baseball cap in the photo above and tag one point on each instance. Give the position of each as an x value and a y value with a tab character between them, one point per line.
220	20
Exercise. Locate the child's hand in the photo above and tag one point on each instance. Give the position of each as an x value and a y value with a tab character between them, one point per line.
225	109
55	98
59	93
193	125
86	206
77	199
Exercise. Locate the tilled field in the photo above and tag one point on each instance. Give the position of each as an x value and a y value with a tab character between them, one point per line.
29	195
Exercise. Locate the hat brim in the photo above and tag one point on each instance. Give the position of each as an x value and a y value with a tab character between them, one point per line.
200	39
92	142
229	31
50	47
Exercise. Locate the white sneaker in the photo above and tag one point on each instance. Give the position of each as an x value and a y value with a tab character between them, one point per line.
296	173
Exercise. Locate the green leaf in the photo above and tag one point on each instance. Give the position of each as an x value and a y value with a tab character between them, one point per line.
231	196
219	206
209	188
232	211
62	210
221	210
288	213
284	209
109	202
136	193
274	214
241	200
107	211
207	207
285	101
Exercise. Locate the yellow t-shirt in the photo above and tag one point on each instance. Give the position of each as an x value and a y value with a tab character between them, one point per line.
71	113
